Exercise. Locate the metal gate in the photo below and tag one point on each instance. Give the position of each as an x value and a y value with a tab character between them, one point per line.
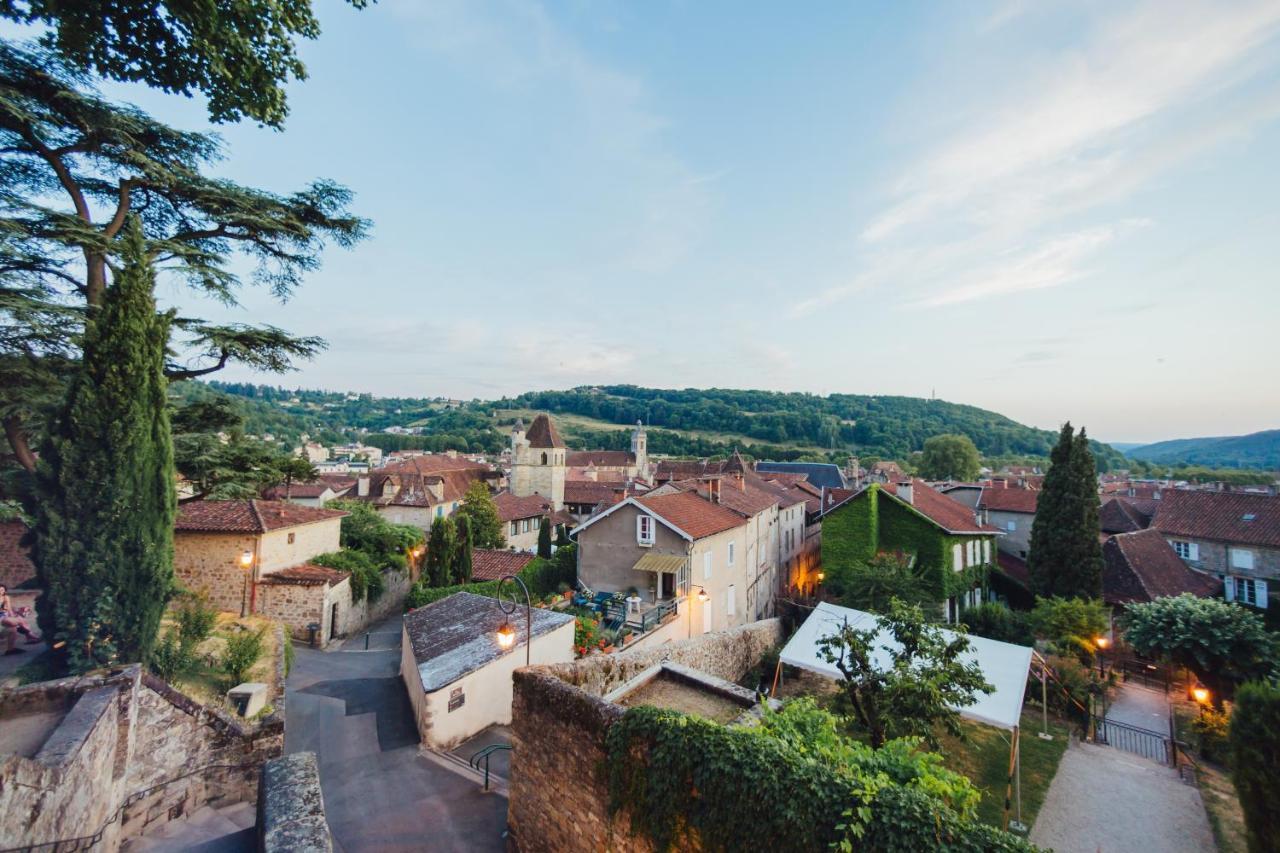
1137	740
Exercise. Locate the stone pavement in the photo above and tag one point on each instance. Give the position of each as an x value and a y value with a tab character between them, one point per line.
1140	706
380	793
1106	801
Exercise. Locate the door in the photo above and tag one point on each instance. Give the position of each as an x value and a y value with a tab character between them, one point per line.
668	589
706	616
333	622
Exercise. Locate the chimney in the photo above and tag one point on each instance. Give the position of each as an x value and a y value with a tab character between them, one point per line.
713	489
905	492
362	487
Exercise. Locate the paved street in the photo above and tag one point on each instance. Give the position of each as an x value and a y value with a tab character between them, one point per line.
1140	706
381	794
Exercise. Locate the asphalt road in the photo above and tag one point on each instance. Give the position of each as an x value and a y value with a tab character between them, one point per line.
380	794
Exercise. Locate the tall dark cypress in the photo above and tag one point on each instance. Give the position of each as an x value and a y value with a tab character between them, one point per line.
105	482
1083	578
461	570
1047	553
544	538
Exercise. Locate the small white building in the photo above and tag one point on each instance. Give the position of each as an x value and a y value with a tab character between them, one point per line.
458	677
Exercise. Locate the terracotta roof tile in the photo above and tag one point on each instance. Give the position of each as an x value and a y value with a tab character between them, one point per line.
542	433
1014	567
587	492
1008	500
247	516
1118	515
1220	516
489	564
600	458
511	507
952	516
1142	566
306	574
696	516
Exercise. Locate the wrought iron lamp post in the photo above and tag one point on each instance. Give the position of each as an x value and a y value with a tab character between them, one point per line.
506	631
246	564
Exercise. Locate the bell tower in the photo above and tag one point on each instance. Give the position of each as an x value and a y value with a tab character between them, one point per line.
640	449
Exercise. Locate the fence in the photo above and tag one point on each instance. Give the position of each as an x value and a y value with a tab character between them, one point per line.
1137	740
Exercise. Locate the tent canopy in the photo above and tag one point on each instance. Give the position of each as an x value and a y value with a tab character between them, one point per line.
1003	664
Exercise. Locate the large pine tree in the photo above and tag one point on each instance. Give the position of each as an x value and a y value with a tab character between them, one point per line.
105	481
1066	556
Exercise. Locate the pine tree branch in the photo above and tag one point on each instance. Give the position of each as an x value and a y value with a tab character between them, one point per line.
17	437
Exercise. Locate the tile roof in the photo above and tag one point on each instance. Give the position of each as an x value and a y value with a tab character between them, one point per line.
1221	516
301	490
589	474
456	636
489	564
696	516
306	574
684	469
542	433
820	474
952	516
600	458
247	516
413	477
1014	567
737	493
588	492
511	507
1142	566
1008	500
15	563
1118	515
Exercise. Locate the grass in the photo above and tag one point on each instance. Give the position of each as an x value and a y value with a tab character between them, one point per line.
1222	805
206	683
983	756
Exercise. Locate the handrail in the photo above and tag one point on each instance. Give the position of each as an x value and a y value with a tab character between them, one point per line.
474	761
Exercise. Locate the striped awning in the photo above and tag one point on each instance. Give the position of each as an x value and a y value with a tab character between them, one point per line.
652	562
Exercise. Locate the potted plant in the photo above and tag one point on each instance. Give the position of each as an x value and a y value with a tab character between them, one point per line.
625	636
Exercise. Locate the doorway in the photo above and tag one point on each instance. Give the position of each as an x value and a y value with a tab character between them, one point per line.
333	621
667	588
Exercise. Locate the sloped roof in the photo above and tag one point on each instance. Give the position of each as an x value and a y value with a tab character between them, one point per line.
600	458
543	434
1014	567
588	492
1117	515
736	493
1220	516
1142	566
1008	500
511	507
950	515
457	635
306	574
821	474
247	516
490	564
694	515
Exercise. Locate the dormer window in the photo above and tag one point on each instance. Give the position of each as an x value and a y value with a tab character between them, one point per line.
644	529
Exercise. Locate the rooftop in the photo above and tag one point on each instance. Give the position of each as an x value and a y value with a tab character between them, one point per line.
696	516
542	433
490	564
820	474
1142	566
1221	516
948	514
247	516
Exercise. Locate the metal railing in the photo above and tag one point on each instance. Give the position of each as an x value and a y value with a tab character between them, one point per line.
483	756
1139	741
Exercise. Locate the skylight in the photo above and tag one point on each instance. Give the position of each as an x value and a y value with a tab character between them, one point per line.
1249	516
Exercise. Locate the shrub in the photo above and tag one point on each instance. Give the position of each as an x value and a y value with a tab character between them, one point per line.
1070	624
997	622
196	619
289	653
244	648
171	659
366	577
1255	757
1210	730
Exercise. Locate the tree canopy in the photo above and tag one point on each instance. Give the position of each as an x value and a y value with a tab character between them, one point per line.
1065	558
950	457
482	515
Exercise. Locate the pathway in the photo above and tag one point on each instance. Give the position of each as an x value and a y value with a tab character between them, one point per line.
1106	801
1140	706
380	792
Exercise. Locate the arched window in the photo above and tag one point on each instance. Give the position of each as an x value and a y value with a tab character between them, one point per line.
544	459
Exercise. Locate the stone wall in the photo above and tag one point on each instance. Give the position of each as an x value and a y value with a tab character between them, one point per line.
559	798
124	737
291	806
294	605
362	614
209	562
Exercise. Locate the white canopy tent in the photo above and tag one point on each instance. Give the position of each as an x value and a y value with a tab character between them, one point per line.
1003	665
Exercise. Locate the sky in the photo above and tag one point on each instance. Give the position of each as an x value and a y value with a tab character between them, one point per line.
1052	210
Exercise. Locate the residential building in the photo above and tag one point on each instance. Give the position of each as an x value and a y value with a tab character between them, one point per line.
253	555
1233	536
358	451
419	489
315	493
1011	511
952	550
821	475
1142	566
1125	515
660	548
314	452
522	518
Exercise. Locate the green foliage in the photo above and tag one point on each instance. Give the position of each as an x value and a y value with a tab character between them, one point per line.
171	658
422	594
460	568
243	650
1187	457
874	585
1255	765
479	509
1210	730
544	538
289	653
950	457
368	531
1070	625
440	552
1071	690
366	575
1066	557
196	619
105	483
1223	643
995	621
920	689
543	577
678	775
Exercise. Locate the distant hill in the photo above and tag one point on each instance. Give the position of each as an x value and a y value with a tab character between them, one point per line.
1257	450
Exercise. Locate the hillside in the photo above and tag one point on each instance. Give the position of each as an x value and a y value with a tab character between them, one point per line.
1257	450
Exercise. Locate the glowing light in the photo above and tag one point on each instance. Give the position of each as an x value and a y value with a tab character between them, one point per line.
822	576
702	595
1102	642
506	635
246	559
1200	694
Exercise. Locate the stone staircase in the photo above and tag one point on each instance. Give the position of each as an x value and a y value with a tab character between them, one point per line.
230	829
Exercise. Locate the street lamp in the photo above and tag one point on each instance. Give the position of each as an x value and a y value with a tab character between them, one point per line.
246	563
702	595
506	635
1201	695
1102	643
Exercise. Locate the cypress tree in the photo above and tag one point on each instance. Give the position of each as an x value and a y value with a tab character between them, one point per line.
105	482
1083	578
1045	557
1066	556
440	552
1255	764
544	538
461	569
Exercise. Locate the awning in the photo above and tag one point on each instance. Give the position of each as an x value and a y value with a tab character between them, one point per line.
652	562
1004	665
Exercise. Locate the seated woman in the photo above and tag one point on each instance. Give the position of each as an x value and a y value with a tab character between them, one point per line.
11	617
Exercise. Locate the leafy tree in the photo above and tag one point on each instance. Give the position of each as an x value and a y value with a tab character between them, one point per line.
997	622
240	55
105	482
482	513
440	552
921	686
60	139
1066	557
366	572
1223	643
366	530
544	538
1255	748
460	570
877	583
562	537
1070	625
950	457
295	469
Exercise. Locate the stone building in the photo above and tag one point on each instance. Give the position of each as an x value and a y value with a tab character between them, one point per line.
538	461
541	465
417	490
522	518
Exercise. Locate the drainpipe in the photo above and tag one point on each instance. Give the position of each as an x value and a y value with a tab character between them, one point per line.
253	577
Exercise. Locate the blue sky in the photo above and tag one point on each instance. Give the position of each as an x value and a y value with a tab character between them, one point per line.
1053	210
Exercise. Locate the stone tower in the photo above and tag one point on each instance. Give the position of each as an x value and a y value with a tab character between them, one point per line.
538	461
640	449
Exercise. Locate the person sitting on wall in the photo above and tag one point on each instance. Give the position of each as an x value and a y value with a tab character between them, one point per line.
15	619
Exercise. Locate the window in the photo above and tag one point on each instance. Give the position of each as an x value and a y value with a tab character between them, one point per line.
706	565
1011	526
291	535
439	512
957	557
644	529
1247	591
1186	550
730	560
544	459
731	604
1241	559
970	549
524	526
986	550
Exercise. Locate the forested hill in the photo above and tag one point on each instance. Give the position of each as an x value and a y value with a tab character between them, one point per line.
1256	450
889	427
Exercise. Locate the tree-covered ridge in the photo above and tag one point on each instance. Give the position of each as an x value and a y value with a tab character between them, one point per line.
1256	450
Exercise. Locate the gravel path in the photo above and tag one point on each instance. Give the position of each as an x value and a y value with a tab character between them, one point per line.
1107	801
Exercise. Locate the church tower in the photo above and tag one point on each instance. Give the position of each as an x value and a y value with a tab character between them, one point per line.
538	464
640	450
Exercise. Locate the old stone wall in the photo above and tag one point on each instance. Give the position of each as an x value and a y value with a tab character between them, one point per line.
209	562
361	614
293	605
559	798
291	806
